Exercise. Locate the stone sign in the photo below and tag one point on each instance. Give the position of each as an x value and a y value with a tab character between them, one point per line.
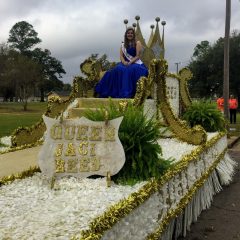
81	147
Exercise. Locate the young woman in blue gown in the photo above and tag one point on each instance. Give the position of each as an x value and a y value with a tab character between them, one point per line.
121	81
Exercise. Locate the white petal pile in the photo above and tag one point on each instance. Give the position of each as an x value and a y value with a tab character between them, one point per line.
173	148
29	209
6	141
4	149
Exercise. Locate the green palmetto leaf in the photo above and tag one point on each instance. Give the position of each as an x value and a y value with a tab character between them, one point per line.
206	114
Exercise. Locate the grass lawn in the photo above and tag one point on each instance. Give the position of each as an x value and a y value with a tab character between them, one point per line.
12	115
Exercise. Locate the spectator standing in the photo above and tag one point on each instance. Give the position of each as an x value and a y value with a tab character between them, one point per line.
220	104
233	105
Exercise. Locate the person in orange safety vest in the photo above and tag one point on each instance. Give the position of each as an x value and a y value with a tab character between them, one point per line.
233	105
220	104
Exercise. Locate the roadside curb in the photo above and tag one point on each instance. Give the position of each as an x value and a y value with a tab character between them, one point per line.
232	142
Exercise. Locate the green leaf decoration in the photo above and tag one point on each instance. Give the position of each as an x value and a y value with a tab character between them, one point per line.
206	114
138	136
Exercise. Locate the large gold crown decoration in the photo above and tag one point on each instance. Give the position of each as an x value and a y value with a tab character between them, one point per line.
154	48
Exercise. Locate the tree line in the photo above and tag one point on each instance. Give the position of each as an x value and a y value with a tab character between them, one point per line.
207	67
25	70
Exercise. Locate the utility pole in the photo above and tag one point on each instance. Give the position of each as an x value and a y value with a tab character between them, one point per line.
177	63
226	59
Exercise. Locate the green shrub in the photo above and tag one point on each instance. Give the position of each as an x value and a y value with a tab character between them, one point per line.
138	136
206	114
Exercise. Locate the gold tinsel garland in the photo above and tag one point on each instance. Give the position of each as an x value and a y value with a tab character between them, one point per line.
27	173
104	222
40	126
13	149
144	85
119	210
185	75
185	200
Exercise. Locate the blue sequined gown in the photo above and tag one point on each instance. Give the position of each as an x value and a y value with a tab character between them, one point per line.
120	82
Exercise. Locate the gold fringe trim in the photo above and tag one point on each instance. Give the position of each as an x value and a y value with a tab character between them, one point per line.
185	161
104	222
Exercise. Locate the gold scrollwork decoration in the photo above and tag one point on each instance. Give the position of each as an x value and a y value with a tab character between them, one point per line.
185	75
144	86
196	135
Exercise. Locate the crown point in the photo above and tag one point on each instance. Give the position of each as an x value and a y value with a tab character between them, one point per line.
137	17
157	19
134	25
163	23
125	21
152	26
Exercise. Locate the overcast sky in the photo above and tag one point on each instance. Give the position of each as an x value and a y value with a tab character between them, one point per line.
73	29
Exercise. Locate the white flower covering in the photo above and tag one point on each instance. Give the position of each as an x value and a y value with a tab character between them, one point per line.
173	148
7	142
4	149
29	209
138	224
70	106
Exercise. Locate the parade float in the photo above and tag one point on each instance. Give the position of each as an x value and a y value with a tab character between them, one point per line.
77	192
